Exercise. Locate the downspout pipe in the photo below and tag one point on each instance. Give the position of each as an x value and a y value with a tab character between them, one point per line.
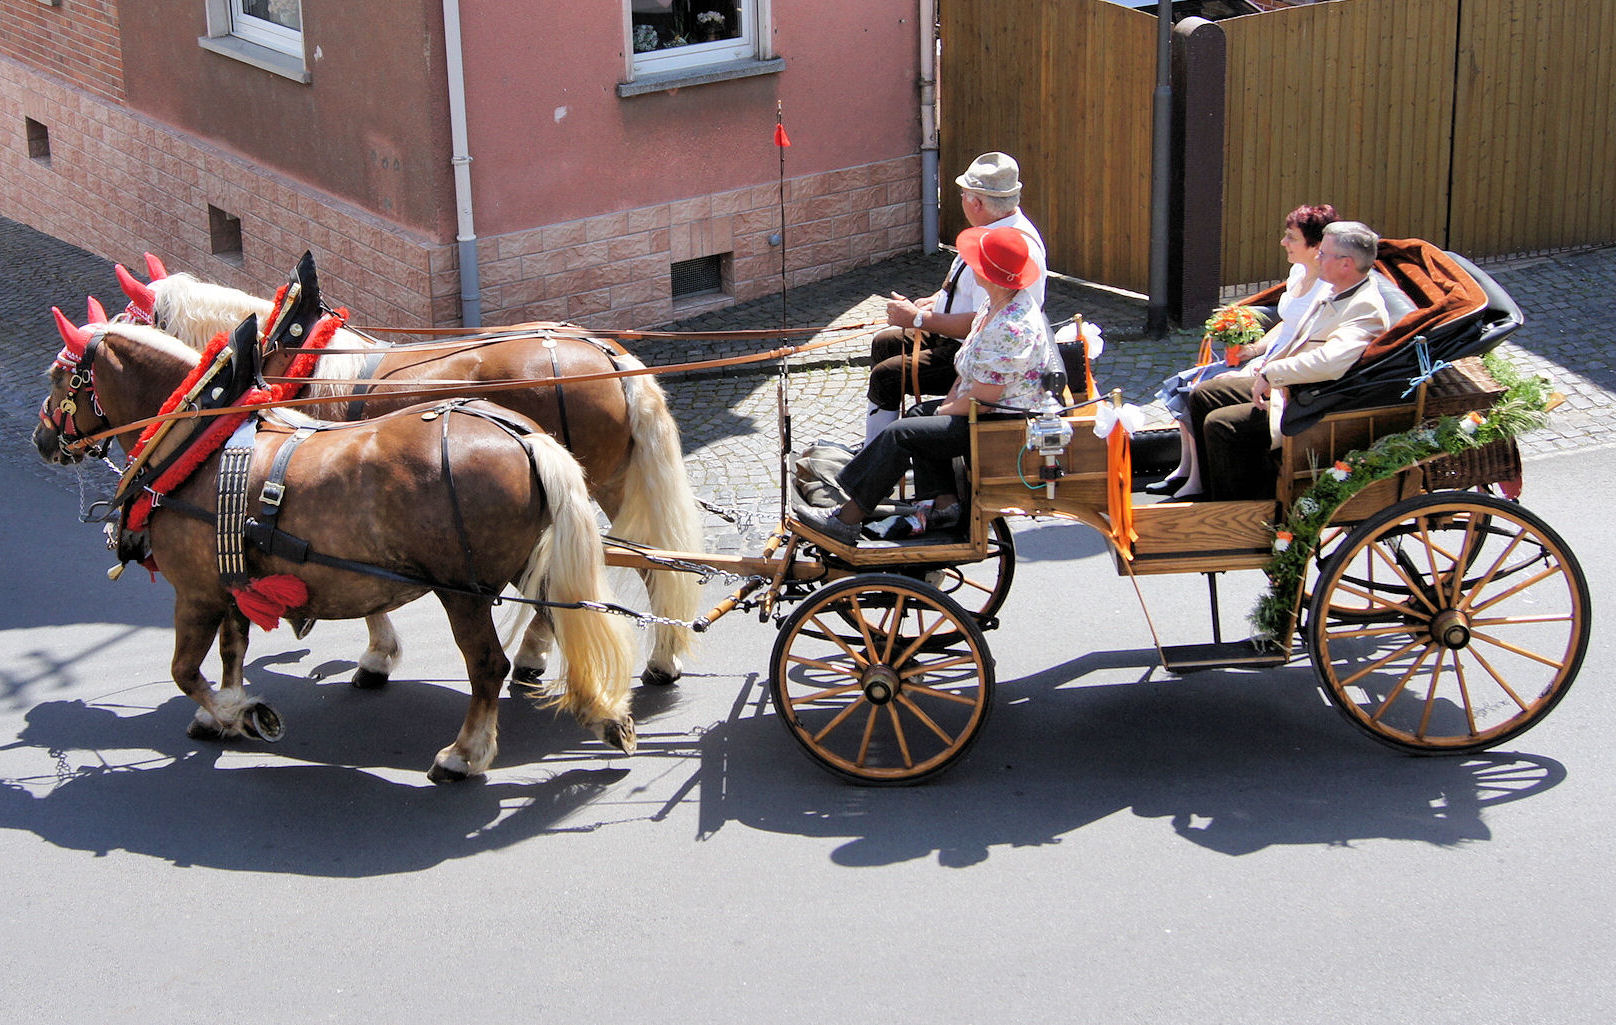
1161	161
928	125
471	304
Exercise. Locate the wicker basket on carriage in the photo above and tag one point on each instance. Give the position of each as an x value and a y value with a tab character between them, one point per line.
1465	386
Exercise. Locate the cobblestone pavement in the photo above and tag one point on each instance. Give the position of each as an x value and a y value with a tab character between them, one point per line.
729	417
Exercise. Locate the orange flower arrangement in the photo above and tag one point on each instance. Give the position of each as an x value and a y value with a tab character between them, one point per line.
1230	327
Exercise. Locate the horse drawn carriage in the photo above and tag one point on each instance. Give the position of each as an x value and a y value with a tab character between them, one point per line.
1438	616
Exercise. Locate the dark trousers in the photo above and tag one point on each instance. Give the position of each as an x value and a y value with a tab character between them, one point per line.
1231	435
889	365
922	440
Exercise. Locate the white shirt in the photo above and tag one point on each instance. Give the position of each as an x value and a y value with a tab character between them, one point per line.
969	296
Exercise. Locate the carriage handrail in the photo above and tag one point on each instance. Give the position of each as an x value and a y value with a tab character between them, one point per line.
573	331
453	389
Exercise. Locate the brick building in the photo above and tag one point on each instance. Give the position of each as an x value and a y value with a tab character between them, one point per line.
611	164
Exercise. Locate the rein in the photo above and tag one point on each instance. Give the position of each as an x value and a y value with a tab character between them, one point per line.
451	389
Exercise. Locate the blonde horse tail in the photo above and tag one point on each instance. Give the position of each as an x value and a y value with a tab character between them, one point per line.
659	509
568	565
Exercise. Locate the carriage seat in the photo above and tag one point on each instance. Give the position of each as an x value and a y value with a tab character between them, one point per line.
1440	298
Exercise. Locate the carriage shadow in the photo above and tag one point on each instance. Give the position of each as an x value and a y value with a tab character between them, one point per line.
142	786
1235	762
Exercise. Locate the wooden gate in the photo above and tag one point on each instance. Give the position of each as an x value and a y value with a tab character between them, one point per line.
1486	126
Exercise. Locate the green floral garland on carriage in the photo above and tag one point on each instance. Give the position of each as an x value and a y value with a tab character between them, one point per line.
1523	407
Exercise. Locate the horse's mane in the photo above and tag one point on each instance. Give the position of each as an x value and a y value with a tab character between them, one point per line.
196	310
154	338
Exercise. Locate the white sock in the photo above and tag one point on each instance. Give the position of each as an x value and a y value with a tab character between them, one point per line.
876	420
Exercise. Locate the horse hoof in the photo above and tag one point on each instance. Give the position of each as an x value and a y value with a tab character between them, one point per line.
527	679
658	677
263	722
619	733
368	679
452	771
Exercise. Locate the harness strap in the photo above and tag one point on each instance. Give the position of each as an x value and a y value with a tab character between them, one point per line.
561	393
356	407
454	502
261	529
235	462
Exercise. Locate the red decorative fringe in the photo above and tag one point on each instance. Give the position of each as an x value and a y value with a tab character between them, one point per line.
266	600
219	431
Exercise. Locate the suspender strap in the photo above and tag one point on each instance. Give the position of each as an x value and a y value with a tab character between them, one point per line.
560	394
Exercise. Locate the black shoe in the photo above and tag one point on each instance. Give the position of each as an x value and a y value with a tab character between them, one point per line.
1199	496
1164	487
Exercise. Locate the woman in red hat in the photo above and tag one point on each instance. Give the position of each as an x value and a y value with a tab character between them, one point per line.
1003	361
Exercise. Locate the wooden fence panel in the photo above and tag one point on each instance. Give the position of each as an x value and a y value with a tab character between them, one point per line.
1065	87
1487	126
1535	139
1345	103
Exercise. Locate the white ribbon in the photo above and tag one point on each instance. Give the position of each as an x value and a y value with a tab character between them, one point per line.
1108	417
1092	340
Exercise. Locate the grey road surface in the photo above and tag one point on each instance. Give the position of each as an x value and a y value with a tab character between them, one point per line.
1122	845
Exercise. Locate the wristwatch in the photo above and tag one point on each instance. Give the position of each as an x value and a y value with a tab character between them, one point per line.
920	315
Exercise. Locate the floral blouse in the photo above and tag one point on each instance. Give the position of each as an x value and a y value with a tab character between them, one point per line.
1012	347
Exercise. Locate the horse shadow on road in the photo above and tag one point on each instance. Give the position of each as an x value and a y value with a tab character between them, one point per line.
1235	762
137	783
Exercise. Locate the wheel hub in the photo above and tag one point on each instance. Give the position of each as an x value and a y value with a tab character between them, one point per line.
1451	628
880	685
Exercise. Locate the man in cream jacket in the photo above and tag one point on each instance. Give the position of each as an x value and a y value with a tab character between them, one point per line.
1235	417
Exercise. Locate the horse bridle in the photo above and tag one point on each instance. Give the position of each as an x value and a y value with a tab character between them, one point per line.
65	422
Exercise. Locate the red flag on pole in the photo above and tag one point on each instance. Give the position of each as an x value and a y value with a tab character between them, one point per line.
780	137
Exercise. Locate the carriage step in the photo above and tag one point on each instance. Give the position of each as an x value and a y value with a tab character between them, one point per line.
1246	654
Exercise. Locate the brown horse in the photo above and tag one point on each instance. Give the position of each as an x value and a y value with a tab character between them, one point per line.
459	512
620	431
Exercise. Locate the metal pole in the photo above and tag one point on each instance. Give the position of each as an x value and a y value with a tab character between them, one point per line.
1160	171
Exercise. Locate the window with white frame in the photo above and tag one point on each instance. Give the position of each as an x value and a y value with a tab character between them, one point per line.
277	24
264	33
681	35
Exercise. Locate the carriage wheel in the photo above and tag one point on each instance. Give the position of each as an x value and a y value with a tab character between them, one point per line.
1470	632
862	683
1368	571
981	587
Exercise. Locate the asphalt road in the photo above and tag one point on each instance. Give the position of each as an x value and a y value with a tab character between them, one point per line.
1121	846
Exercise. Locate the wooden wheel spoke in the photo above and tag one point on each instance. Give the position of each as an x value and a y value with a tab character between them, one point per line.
1369	631
1397	690
1493	570
903	740
1430	694
815	663
1536	578
1516	649
1415	591
1521	620
1464	694
915	645
946	695
863	621
1505	687
925	719
864	741
838	719
1463	559
859	659
1375	598
1381	662
922	668
893	626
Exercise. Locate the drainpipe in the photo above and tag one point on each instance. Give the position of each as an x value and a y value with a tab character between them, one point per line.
471	305
928	124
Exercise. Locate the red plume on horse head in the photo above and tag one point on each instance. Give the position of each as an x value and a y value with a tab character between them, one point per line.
74	340
154	268
96	313
141	298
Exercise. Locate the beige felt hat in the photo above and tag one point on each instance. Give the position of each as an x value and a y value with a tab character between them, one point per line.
992	174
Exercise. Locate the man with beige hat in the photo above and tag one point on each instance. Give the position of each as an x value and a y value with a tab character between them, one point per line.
990	195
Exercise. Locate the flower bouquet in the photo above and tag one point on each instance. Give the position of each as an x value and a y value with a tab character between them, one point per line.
1229	327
